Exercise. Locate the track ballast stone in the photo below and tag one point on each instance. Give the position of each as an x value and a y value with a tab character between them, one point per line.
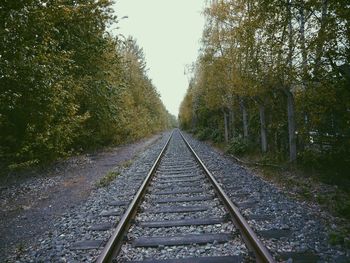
180	180
267	209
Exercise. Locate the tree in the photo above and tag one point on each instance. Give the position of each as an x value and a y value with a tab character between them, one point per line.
282	65
67	84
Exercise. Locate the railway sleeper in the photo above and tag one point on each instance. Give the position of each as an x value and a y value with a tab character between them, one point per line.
151	241
222	259
183	222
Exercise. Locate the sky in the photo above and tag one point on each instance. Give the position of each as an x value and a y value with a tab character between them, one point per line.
169	32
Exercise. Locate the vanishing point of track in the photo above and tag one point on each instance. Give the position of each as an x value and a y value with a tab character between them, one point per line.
177	177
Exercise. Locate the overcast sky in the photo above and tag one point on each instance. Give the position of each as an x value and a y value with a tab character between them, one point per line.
169	32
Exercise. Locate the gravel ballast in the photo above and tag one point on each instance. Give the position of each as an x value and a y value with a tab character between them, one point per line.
179	242
285	225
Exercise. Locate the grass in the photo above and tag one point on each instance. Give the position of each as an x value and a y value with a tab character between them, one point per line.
110	176
107	179
126	164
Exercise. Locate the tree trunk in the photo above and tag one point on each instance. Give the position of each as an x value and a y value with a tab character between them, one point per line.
304	75
226	126
321	37
289	94
244	119
232	123
291	126
290	34
302	41
263	128
194	118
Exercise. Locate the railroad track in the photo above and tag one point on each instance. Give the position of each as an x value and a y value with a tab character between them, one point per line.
180	211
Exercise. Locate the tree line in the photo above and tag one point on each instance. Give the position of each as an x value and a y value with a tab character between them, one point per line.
275	76
67	84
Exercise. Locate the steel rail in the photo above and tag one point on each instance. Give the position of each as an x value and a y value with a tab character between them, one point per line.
115	241
249	236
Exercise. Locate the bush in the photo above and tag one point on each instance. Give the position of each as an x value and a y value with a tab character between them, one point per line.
203	134
332	165
237	146
209	134
343	208
216	136
310	159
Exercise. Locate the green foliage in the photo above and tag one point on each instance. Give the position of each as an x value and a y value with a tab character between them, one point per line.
311	159
237	146
107	179
216	136
66	85
343	208
203	134
340	237
331	165
209	134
